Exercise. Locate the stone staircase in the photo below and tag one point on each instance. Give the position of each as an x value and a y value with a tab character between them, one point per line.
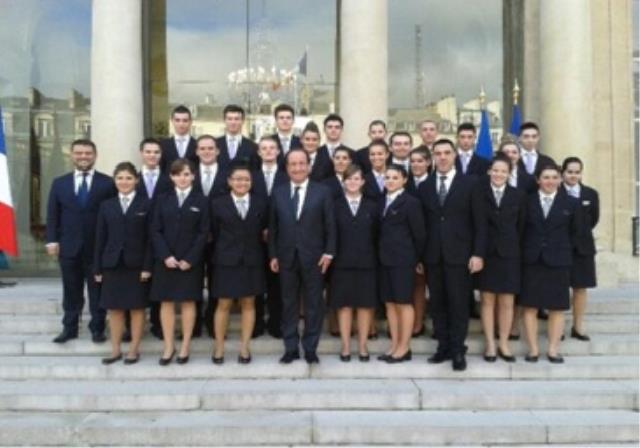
62	395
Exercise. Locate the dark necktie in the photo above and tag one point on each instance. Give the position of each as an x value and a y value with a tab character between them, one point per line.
442	191
83	191
295	201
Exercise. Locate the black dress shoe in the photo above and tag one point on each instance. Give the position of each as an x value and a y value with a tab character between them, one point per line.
133	360
289	357
65	336
107	361
345	358
217	360
514	337
126	336
438	358
98	337
383	357
459	363
182	359
393	360
507	358
490	358
167	361
555	359
244	359
364	357
531	358
311	358
580	337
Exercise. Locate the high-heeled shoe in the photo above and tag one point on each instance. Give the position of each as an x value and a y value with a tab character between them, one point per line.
383	357
182	359
111	360
364	357
558	359
133	360
345	358
244	359
579	336
507	358
217	360
531	358
489	358
167	361
393	360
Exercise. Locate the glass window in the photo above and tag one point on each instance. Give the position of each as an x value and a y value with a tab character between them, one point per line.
44	95
441	53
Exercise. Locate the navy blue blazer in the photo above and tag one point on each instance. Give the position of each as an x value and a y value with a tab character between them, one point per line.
590	215
180	231
219	187
247	152
543	160
237	241
411	188
362	159
477	166
371	189
525	181
163	185
170	153
458	229
402	232
322	166
124	237
294	143
259	184
551	240
310	236
335	186
69	224
357	237
505	223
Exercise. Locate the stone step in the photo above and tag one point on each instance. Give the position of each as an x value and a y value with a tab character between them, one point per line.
49	323
314	394
20	368
600	344
205	428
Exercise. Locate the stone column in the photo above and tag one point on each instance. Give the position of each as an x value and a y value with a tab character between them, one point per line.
363	66
116	81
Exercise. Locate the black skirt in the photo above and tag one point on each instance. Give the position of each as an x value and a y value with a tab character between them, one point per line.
499	276
238	281
122	289
396	284
544	287
354	288
583	271
174	285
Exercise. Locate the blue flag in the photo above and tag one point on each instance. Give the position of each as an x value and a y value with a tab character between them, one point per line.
483	147
516	120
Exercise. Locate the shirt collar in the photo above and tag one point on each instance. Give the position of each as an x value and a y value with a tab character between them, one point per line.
533	152
186	191
356	199
129	196
464	153
213	167
78	173
238	198
237	137
544	195
146	170
575	188
421	178
303	185
404	162
271	168
185	137
283	136
500	189
450	174
393	196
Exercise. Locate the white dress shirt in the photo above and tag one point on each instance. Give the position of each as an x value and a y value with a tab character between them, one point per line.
214	172
447	183
573	191
129	197
465	158
285	141
529	159
77	179
186	193
404	163
302	194
418	180
182	142
236	201
354	203
513	177
268	180
390	198
154	174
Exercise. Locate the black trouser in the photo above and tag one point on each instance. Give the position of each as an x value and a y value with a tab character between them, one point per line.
76	271
449	287
306	281
272	301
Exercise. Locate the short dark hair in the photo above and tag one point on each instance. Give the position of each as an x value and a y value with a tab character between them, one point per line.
379	142
466	127
283	108
545	167
333	117
238	166
181	109
206	137
399	168
345	150
311	127
352	170
528	125
293	151
83	142
569	160
269	138
421	151
378	123
149	141
444	141
125	166
501	157
178	165
232	108
400	134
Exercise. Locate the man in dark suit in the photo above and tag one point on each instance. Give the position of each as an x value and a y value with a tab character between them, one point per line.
333	126
531	160
377	131
181	145
467	162
302	243
72	213
400	144
233	146
284	136
456	243
428	133
320	163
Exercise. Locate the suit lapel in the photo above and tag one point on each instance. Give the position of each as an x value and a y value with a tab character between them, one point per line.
452	188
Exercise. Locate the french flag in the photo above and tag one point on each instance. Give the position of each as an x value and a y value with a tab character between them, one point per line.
8	234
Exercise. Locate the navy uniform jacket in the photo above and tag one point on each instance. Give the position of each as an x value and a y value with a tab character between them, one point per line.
294	143
163	185
551	240
589	214
259	183
525	181
170	153
362	159
247	152
180	231
69	224
402	232
371	189
411	186
238	241
310	236
477	166
124	237
457	230
357	239
543	160
322	166
219	187
505	223
335	186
